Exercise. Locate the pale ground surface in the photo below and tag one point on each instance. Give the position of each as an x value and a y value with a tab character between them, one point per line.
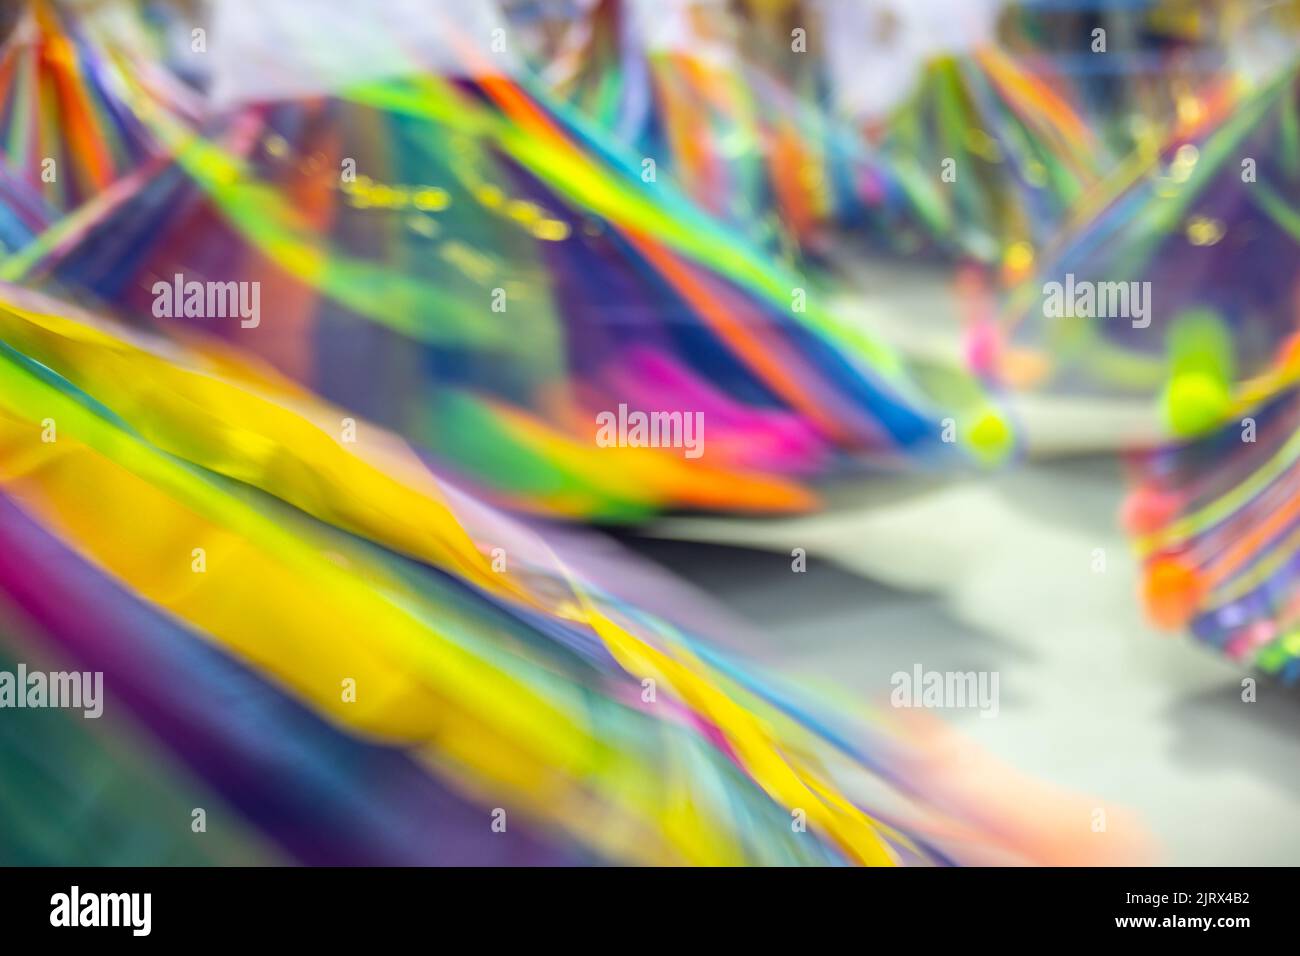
996	574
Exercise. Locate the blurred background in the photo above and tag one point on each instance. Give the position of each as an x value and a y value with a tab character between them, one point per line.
325	330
